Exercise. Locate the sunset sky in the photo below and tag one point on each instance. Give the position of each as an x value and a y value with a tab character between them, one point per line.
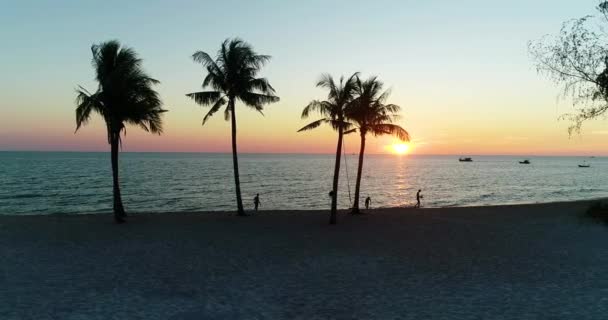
459	69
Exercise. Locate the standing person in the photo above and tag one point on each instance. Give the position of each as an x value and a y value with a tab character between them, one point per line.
368	201
256	201
418	197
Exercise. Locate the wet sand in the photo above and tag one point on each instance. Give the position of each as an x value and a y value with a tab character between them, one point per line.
539	261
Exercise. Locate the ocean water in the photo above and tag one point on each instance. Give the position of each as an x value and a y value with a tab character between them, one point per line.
75	182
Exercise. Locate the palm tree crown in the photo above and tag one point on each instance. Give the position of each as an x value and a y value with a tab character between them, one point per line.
333	109
370	113
233	76
124	94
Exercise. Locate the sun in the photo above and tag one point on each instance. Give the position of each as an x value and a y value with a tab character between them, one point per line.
400	148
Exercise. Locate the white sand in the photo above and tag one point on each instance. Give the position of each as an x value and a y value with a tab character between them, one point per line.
508	262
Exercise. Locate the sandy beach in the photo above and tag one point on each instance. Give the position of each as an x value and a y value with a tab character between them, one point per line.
539	261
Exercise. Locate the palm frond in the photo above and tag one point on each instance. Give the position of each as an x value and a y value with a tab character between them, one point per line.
390	129
215	79
146	113
393	118
257	100
327	81
203	58
313	125
321	107
152	122
262	85
337	124
85	103
205	98
384	95
349	87
258	60
392	108
216	106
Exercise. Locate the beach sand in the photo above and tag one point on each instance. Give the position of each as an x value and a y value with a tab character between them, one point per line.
504	262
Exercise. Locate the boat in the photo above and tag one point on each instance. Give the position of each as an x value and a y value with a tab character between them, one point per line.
465	160
584	165
525	162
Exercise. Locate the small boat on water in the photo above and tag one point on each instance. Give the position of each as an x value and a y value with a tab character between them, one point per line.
584	165
525	162
465	160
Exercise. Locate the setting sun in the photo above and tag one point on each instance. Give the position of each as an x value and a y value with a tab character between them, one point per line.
400	148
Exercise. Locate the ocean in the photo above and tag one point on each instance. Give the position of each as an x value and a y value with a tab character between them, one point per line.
81	182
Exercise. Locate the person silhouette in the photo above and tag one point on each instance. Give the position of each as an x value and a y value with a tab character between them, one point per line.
256	201
368	201
418	197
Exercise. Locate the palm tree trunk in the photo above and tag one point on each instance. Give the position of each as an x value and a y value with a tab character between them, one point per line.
359	172
235	161
334	198
119	211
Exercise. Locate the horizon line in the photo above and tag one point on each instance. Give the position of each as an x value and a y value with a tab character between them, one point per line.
321	153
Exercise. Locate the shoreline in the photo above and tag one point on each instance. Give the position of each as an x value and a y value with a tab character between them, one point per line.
331	153
340	211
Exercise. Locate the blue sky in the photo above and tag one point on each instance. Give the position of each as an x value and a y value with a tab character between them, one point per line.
460	69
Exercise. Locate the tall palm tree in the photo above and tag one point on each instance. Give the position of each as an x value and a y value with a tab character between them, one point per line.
124	96
232	76
371	115
333	112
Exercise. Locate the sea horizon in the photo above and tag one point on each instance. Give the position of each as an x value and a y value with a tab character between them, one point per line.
522	155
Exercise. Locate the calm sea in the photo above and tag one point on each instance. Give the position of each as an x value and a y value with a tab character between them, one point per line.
74	182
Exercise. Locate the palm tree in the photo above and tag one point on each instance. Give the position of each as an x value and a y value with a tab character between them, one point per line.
232	76
333	112
124	96
371	115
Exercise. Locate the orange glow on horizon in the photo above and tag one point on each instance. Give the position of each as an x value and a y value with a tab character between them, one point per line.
400	148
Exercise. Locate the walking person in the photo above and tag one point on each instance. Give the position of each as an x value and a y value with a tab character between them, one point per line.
368	202
418	197
256	201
